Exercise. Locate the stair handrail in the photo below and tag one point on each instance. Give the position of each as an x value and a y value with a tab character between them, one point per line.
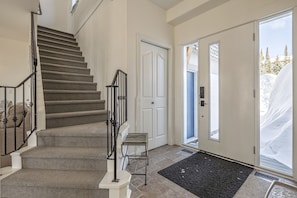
33	124
117	114
32	103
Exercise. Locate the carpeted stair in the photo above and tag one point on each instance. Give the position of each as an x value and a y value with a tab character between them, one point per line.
70	95
68	162
70	157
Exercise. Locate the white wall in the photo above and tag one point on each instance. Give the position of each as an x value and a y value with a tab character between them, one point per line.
228	15
56	14
107	32
102	39
14	66
83	12
14	61
147	21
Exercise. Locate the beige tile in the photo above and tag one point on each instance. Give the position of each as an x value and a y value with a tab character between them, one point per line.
158	186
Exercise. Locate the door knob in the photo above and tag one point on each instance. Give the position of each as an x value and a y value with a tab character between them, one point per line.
153	102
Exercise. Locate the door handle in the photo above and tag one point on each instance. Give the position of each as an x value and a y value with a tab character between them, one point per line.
153	102
201	92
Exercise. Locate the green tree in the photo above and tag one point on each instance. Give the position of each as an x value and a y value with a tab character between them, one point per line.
277	66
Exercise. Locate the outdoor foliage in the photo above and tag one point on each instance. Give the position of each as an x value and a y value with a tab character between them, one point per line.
273	66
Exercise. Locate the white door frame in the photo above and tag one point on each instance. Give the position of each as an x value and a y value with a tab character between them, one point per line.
170	96
187	68
294	93
257	91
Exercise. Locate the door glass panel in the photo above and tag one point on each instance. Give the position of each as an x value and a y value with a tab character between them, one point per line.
275	42
190	105
191	95
214	91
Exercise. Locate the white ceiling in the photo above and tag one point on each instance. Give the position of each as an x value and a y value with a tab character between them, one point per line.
186	10
166	4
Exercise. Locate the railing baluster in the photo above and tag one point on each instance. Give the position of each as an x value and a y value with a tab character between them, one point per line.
117	114
5	120
107	121
115	128
15	120
24	123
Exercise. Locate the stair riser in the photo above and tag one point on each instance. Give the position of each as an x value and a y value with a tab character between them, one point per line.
72	47
69	86
70	141
64	56
38	192
58	39
74	70
60	108
69	121
62	50
55	32
64	164
56	76
63	62
56	35
71	96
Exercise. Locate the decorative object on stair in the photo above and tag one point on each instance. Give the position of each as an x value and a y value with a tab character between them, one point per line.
70	95
207	176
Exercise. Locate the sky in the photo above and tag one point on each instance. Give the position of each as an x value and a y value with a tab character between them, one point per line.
275	33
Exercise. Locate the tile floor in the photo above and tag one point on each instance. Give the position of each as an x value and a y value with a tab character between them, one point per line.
158	186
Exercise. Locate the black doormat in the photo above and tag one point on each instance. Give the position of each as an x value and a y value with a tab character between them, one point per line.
207	176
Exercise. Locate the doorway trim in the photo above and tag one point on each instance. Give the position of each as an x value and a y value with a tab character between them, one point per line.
294	46
170	87
294	101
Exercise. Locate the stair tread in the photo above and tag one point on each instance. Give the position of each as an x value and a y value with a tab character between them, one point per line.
72	102
57	42
45	32
70	91
74	114
67	39
55	178
66	73
65	66
61	53
40	27
83	130
53	46
66	153
68	81
62	59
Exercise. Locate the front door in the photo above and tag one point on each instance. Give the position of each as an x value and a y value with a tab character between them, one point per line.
153	86
226	103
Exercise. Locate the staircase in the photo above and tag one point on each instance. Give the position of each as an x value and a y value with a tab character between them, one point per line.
70	157
70	95
68	162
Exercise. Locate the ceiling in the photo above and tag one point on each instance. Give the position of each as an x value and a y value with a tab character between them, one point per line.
179	11
166	4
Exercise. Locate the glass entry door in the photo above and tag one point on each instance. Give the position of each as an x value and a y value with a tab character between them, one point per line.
276	93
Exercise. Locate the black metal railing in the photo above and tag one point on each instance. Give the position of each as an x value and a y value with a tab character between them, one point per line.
20	105
117	114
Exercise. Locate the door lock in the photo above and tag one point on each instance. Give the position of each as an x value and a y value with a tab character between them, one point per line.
202	103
